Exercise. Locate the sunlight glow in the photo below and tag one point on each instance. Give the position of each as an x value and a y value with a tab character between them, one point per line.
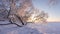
33	18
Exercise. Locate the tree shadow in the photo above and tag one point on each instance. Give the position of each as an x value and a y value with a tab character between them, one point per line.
20	30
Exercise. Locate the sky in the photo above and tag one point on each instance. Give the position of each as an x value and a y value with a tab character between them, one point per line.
52	10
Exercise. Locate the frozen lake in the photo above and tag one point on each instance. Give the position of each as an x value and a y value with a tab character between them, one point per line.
31	28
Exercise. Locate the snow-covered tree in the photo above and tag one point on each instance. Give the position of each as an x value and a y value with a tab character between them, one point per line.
16	10
36	15
20	12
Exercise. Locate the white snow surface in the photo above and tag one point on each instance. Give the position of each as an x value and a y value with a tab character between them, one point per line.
30	28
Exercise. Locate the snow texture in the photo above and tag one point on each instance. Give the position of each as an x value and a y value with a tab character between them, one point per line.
30	28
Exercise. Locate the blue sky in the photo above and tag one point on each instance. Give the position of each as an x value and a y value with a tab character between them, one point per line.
52	10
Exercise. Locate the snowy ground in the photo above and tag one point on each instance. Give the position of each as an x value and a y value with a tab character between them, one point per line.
31	28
